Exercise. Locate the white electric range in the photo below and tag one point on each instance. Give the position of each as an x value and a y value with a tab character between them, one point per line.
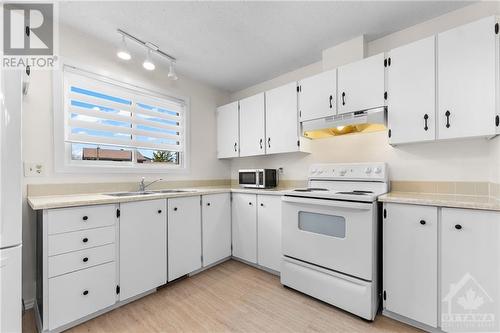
330	233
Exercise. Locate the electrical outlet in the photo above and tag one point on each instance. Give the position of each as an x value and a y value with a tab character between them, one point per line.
33	169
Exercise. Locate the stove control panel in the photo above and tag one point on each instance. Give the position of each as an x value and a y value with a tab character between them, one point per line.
354	171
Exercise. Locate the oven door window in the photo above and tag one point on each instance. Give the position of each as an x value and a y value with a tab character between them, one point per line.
329	225
248	178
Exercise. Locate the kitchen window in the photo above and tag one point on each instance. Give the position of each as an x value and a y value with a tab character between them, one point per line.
112	124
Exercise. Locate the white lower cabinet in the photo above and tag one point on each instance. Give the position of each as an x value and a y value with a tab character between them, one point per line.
76	295
470	265
143	253
10	289
450	250
269	231
216	227
184	236
244	228
410	261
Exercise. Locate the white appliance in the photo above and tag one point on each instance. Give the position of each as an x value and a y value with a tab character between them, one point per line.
330	233
10	200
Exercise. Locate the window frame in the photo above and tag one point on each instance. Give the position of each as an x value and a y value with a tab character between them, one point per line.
62	150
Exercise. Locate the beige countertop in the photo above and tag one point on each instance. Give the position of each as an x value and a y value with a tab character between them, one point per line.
442	200
73	200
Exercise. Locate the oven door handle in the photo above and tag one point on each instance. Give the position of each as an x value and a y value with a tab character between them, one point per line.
328	203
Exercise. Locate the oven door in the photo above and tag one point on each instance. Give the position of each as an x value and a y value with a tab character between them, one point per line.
248	178
337	235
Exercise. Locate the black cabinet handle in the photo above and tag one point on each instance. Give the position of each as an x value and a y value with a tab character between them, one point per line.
422	222
85	259
343	98
85	218
159	211
85	240
426	117
331	98
175	209
447	114
260	143
249	203
235	146
458	226
269	142
85	292
208	203
262	205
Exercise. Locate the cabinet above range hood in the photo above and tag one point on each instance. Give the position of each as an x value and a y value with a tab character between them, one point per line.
348	123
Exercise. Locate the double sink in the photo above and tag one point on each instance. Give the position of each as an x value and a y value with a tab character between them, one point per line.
129	194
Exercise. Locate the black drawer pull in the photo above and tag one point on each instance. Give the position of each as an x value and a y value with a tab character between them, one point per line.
208	203
85	218
458	226
262	205
85	259
85	240
422	222
159	211
85	292
175	209
249	203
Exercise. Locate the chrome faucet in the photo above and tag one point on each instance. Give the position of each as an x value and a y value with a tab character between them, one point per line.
143	186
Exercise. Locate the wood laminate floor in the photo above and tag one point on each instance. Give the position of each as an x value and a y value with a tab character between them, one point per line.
230	297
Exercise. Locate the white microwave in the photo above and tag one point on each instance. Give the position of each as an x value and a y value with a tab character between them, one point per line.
258	178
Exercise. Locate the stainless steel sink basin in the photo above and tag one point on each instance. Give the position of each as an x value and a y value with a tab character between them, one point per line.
173	191
129	194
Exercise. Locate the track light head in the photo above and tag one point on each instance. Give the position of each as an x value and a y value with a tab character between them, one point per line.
122	51
171	72
148	64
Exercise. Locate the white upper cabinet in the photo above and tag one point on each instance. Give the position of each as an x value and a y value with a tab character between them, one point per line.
466	80
282	119
227	131
412	92
361	85
317	96
252	126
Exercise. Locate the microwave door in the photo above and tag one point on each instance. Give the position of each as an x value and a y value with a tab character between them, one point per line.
248	179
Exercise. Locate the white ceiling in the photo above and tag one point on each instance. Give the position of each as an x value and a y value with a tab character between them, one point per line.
233	45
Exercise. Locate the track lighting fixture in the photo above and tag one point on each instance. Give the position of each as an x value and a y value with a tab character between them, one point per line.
123	52
148	64
171	72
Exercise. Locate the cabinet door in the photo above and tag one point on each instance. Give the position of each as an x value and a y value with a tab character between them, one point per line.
227	131
10	289
361	85
216	226
412	92
143	246
269	231
317	96
470	271
244	226
410	262
252	126
466	80
282	119
184	236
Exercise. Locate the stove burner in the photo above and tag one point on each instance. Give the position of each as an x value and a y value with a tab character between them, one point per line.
310	189
356	192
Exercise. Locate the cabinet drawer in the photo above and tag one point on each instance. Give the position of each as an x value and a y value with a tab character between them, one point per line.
69	262
79	240
80	218
79	294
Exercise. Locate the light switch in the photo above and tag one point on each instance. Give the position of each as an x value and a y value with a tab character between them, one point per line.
33	169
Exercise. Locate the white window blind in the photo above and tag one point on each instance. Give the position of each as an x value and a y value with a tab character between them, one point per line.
103	112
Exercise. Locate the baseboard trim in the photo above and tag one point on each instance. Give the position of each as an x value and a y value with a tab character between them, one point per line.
262	268
411	322
29	303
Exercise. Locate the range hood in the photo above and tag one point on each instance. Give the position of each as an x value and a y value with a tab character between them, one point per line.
348	123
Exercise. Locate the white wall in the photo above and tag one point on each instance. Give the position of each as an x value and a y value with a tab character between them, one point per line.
38	145
470	160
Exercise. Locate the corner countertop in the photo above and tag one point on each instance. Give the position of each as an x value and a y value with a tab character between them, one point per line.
74	200
442	200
